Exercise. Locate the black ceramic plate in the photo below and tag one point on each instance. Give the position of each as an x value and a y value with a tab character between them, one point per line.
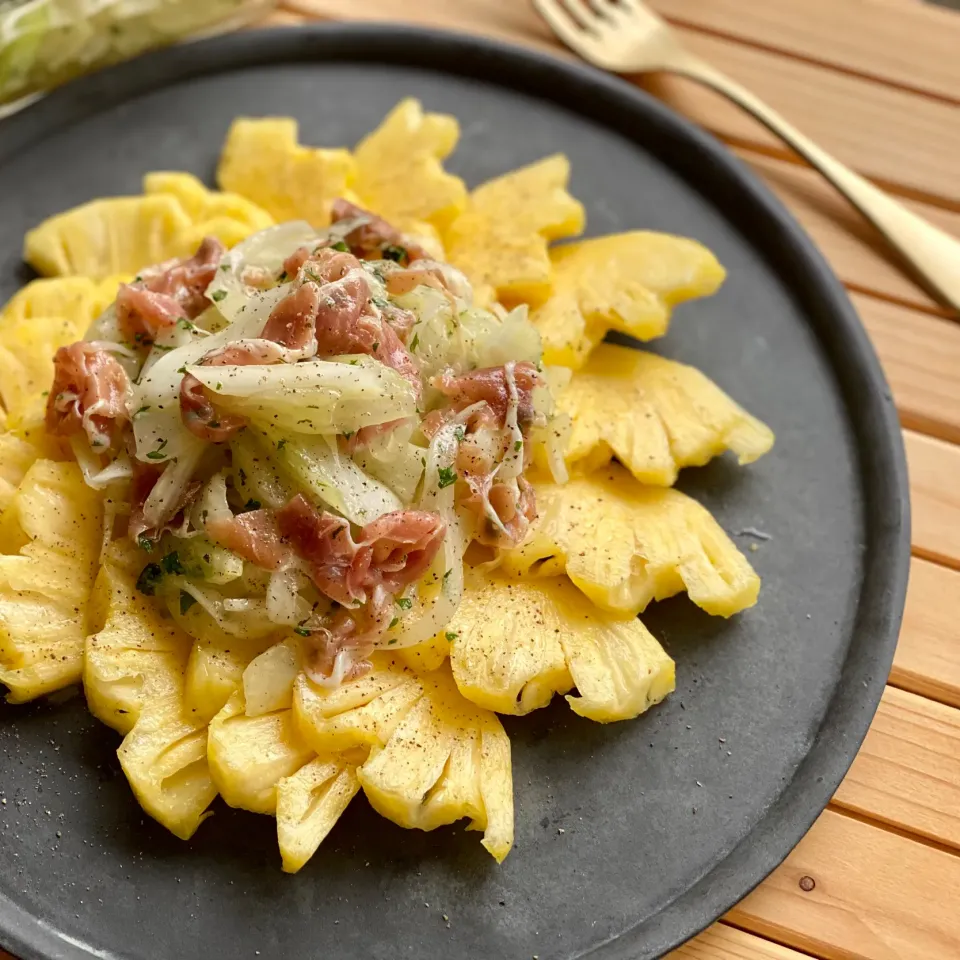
630	837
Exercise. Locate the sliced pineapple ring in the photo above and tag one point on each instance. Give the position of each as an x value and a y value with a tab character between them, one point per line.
227	216
164	758
122	235
263	161
103	237
309	803
78	300
54	521
135	657
400	173
654	415
625	281
249	755
500	241
517	643
624	545
434	758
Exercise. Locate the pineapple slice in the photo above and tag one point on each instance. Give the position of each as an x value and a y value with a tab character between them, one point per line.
45	588
16	457
309	803
433	757
400	173
249	755
122	235
625	281
263	161
164	758
27	347
135	657
228	216
359	714
517	643
261	764
654	415
624	545
109	236
500	241
78	300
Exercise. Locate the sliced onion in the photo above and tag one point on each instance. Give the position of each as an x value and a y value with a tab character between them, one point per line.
162	503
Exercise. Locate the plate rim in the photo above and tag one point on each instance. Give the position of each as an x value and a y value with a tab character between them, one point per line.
876	432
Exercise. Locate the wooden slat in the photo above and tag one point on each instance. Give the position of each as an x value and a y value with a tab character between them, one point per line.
921	358
876	896
907	772
721	942
935	495
856	251
874	40
928	654
848	116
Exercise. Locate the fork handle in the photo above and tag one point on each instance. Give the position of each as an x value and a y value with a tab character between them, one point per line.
933	254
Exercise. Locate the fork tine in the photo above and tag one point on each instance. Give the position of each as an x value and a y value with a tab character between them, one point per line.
561	22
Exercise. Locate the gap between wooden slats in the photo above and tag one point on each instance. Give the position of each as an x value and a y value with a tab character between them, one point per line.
910	46
935	497
875	896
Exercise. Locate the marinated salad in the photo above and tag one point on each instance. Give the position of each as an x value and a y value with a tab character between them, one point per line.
311	430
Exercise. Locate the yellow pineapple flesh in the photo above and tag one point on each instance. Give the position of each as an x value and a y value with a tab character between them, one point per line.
27	347
164	758
517	643
624	545
135	656
309	803
227	216
117	235
627	282
434	757
78	300
500	241
654	415
400	173
263	161
249	755
45	587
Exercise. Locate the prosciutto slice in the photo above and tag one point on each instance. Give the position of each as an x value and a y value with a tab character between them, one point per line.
88	394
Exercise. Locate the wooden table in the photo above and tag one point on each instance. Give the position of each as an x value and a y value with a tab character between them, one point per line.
877	82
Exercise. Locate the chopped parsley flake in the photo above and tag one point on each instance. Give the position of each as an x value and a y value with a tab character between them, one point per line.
218	295
281	444
145	544
301	631
404	603
251	504
446	476
393	623
459	434
149	579
340	246
171	563
451	636
187	600
415	342
517	444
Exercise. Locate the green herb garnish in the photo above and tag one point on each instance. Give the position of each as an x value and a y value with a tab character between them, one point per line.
171	563
393	623
149	579
451	636
301	631
404	603
446	476
145	543
187	600
218	295
396	253
415	342
251	504
340	246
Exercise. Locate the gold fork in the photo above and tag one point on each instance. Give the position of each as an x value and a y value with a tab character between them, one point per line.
626	36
